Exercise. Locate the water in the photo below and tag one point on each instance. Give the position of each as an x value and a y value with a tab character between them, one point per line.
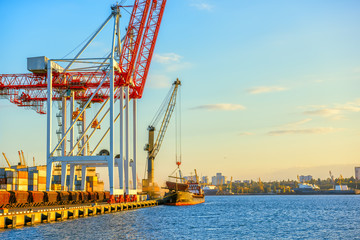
220	217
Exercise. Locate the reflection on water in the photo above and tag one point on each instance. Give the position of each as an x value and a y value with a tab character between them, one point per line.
221	217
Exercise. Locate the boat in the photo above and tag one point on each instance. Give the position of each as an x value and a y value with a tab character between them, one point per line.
183	194
307	188
210	190
312	189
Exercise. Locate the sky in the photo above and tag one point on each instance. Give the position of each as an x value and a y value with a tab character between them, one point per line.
270	89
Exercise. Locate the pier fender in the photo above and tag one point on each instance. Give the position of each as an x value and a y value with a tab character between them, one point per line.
98	210
90	211
45	217
29	219
106	209
10	221
113	209
70	214
81	213
57	216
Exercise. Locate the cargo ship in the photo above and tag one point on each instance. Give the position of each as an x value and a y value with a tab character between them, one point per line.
183	194
312	189
210	190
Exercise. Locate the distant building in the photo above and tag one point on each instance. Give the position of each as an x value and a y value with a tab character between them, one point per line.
205	179
217	180
357	173
307	178
190	178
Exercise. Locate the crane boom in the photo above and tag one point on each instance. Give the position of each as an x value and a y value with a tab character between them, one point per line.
165	123
21	163
153	147
23	158
7	161
30	90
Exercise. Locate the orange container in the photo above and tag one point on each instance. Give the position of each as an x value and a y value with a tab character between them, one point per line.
22	174
42	180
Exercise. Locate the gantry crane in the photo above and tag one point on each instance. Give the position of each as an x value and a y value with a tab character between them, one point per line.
340	181
332	179
229	187
153	147
261	185
115	78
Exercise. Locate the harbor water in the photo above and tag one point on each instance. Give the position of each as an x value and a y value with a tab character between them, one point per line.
220	217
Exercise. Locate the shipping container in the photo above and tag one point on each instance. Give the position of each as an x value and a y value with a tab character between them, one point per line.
19	197
36	197
22	181
4	170
51	197
41	187
21	187
10	180
4	199
22	174
2	180
11	174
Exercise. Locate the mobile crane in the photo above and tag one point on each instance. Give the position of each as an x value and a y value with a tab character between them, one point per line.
153	147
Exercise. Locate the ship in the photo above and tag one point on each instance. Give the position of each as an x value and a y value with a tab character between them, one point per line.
312	189
307	188
210	190
183	194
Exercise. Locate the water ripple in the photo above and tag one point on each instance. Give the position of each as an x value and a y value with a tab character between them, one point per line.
221	217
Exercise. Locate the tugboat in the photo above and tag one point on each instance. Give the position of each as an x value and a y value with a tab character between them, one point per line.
183	193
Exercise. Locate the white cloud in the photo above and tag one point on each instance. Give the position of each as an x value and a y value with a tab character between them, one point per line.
350	106
324	112
298	123
167	58
303	131
265	89
172	61
203	6
336	111
220	106
158	81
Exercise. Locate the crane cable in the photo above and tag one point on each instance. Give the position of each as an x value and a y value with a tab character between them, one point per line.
180	125
178	150
161	109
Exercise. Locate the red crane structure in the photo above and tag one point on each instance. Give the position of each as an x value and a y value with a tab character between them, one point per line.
111	82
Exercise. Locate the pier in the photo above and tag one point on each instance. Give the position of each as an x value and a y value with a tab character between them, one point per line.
31	217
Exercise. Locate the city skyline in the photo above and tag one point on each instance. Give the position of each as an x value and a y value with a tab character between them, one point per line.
269	89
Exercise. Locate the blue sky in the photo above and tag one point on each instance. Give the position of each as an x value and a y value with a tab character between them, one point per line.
270	88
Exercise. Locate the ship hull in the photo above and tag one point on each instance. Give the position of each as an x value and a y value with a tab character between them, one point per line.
210	192
182	198
326	192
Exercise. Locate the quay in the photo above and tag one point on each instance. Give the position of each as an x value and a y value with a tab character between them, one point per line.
28	218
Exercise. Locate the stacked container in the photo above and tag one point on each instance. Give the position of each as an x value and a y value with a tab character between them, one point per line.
37	178
2	178
56	182
11	179
41	180
33	181
22	181
92	183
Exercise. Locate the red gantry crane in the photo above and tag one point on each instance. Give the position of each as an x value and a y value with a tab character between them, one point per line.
111	80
